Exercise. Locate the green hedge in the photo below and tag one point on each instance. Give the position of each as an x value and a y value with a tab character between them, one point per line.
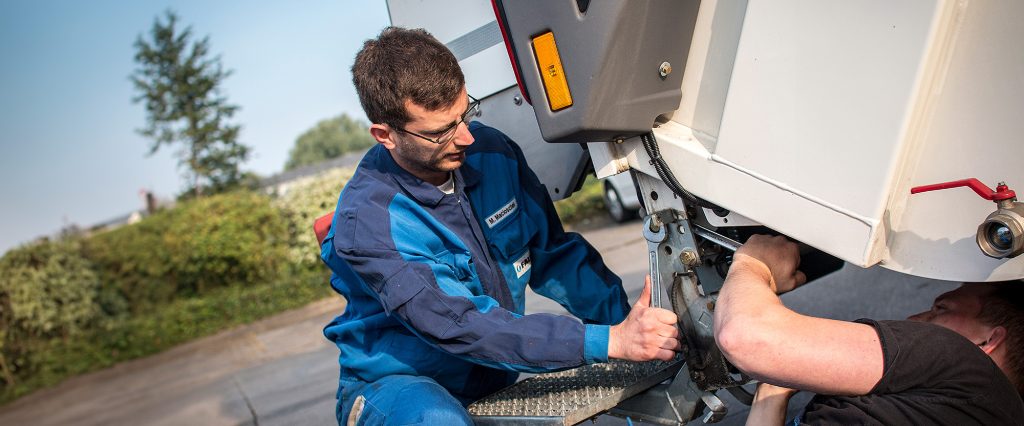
75	305
198	246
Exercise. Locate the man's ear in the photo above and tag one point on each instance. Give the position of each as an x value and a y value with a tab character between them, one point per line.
996	337
384	135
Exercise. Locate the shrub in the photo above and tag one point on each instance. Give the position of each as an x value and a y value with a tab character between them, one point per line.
47	290
134	260
583	204
201	244
235	238
304	202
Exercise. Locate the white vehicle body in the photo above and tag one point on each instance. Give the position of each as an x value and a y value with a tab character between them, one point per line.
830	111
815	118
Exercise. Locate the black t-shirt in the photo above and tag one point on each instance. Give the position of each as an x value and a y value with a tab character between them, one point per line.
931	376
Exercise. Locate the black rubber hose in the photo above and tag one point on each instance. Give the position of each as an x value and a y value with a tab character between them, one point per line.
651	146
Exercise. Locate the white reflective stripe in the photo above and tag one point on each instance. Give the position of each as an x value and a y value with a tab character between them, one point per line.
523	264
502	213
476	41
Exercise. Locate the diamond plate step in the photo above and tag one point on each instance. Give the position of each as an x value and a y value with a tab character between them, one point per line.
572	396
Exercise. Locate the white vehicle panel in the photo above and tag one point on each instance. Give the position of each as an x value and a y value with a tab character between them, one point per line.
974	129
834	109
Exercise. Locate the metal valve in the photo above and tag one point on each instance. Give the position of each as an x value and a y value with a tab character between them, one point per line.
1001	235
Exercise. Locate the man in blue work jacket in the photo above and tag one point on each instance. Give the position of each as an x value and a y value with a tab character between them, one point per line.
433	243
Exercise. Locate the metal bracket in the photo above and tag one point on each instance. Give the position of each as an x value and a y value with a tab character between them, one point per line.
716	408
673	403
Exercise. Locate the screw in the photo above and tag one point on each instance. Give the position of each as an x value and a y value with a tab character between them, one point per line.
689	257
619	140
517	100
665	69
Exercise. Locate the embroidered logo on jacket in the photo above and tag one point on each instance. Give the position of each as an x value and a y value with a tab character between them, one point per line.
523	264
502	213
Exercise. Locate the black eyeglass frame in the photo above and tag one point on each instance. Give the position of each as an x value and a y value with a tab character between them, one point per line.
449	133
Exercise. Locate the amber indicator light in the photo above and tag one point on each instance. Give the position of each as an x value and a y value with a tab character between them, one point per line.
553	75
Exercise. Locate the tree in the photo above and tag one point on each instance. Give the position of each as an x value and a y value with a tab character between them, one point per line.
329	139
179	84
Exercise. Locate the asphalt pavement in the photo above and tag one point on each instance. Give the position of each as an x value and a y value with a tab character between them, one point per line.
281	370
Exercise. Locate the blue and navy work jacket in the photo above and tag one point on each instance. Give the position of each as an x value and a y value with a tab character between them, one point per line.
435	282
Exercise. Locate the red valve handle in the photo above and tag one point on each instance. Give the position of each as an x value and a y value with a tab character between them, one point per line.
1002	191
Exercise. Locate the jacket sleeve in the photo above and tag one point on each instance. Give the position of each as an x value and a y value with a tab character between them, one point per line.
429	297
567	269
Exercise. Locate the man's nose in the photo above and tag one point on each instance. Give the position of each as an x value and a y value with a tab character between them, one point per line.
462	135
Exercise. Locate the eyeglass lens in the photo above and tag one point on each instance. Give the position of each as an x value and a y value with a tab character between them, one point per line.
474	108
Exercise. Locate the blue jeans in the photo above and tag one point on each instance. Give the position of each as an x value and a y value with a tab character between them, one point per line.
400	400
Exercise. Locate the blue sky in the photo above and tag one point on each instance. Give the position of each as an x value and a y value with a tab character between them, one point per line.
69	152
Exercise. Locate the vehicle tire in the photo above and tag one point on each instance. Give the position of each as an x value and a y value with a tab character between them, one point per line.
613	202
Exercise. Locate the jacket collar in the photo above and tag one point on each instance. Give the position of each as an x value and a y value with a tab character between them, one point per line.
470	176
422	191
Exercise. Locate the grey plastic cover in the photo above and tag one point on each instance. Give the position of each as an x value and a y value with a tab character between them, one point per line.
611	54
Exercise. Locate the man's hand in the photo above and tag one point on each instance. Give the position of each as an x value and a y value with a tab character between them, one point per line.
646	334
776	257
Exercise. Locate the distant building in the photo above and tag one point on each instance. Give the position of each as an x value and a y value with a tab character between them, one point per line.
151	205
280	183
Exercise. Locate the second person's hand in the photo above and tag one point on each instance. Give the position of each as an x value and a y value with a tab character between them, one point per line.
780	256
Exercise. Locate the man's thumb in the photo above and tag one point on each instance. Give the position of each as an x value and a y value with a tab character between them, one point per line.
645	294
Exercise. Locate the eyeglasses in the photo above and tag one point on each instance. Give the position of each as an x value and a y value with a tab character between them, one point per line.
446	135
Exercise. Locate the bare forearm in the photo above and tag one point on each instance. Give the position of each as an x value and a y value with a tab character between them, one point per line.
749	318
770	404
746	294
771	343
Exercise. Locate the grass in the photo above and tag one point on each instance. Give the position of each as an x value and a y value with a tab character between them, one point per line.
166	326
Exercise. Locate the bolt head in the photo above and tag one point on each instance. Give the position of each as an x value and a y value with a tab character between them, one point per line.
665	69
689	257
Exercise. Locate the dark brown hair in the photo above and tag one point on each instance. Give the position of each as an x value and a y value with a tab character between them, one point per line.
405	64
1003	306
